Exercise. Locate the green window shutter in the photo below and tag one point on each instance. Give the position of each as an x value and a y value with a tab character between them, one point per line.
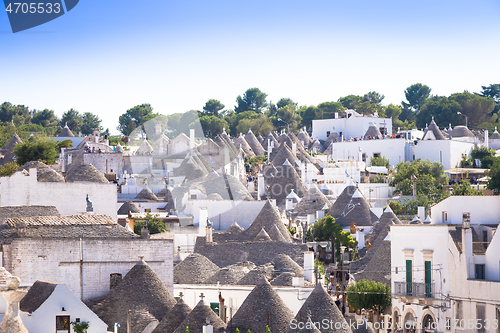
428	279
409	278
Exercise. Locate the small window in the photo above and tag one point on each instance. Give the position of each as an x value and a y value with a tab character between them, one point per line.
444	217
62	324
194	196
114	279
363	157
377	154
327	134
480	272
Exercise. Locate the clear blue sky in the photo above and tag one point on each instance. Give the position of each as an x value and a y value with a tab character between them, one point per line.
108	56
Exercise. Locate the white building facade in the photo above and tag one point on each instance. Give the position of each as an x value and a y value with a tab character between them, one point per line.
445	275
352	125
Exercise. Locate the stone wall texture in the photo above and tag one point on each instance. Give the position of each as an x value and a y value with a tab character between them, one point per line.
58	260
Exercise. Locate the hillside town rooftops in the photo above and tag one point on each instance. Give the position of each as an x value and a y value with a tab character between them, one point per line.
86	173
7	212
43	172
263	306
140	290
174	317
38	293
66	132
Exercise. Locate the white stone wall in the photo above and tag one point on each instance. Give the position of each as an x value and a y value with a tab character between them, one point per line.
393	149
58	260
68	198
350	127
482	209
293	297
105	162
447	152
223	213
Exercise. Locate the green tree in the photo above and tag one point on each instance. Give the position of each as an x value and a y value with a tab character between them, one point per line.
485	155
74	119
308	115
368	108
149	123
350	101
430	179
212	125
494	174
477	108
212	107
268	330
493	91
369	295
416	95
80	327
253	100
187	330
326	229
373	97
20	114
41	149
465	189
284	102
259	125
8	169
328	109
90	122
443	109
189	120
380	161
45	118
155	225
288	116
133	118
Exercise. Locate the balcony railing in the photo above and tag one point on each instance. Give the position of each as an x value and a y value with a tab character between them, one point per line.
415	289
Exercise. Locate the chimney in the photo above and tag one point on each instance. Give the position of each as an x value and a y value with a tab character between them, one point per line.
227	165
336	115
289	204
269	149
208	328
202	221
303	171
320	214
309	266
144	232
294	148
467	245
208	234
222	308
157	129
260	185
421	213
310	219
486	139
360	237
191	138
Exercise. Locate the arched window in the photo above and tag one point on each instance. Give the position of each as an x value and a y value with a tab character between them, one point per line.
428	324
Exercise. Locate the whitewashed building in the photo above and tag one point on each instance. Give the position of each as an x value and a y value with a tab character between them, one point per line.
52	307
352	125
445	275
